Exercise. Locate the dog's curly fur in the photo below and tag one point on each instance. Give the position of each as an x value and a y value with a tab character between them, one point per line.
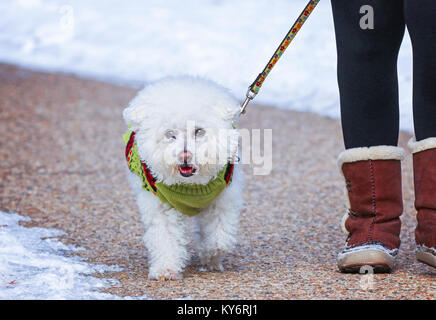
166	106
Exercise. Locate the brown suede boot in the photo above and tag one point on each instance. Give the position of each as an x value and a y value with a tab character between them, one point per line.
373	188
424	171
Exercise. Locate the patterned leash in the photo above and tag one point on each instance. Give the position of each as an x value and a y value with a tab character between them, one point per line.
254	88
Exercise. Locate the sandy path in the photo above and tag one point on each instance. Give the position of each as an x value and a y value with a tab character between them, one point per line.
61	163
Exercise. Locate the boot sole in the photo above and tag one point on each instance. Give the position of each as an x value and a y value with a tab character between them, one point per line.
426	258
353	262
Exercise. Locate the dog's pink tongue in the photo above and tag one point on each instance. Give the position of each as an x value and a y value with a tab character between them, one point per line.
186	169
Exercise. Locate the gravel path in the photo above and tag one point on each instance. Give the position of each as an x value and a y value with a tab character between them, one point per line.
61	163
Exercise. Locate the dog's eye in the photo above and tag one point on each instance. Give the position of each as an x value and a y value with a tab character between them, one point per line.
199	132
170	134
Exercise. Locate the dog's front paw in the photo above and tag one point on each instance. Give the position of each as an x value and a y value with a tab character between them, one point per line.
165	274
213	262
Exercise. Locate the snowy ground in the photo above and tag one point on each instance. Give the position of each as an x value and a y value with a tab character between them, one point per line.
228	41
34	265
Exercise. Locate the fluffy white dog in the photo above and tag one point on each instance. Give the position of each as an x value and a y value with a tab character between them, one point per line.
181	150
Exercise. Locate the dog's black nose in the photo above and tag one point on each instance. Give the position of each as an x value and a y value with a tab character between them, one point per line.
185	156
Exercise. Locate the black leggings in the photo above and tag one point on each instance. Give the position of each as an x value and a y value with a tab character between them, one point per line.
367	69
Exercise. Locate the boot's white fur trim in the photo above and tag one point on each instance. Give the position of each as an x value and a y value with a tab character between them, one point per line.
423	248
365	247
422	145
366	255
371	153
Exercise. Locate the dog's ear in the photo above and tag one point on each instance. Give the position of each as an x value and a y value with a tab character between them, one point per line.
230	111
135	113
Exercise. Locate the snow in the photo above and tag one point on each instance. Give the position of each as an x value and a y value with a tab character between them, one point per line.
35	265
227	41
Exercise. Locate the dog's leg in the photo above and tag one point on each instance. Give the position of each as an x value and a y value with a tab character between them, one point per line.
218	225
166	237
166	240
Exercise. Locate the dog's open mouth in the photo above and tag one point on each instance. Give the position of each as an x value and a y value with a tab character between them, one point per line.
186	170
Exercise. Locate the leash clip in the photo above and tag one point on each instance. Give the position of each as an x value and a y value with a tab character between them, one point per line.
249	96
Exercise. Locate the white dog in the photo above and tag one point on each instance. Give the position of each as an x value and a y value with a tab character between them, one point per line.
181	150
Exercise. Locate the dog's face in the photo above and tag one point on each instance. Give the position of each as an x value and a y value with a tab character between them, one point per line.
184	129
